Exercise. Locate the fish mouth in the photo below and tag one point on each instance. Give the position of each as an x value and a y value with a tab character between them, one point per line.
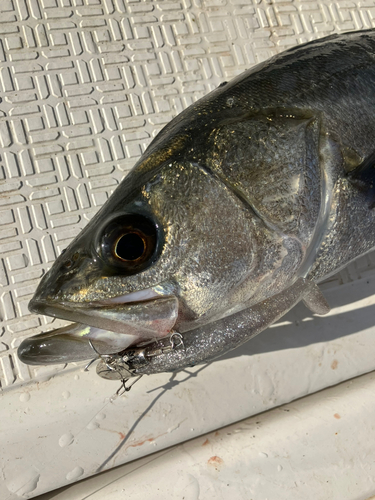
111	325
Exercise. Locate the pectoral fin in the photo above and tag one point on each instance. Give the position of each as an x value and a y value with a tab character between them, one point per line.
315	300
363	177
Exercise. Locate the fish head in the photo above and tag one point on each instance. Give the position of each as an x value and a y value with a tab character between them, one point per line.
170	250
181	234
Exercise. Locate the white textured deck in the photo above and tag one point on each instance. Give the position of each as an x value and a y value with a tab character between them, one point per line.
316	448
84	86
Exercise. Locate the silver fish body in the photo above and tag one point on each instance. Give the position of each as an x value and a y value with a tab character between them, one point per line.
237	209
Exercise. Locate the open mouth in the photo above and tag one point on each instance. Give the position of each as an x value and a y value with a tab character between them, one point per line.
112	325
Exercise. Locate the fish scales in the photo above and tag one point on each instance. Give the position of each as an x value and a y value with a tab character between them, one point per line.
237	209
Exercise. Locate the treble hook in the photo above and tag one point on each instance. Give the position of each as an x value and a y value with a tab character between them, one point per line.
105	358
127	388
99	356
125	364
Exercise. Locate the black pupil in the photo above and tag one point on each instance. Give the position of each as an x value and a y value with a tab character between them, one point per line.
130	247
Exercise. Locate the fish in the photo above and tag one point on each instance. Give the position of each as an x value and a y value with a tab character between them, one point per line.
236	211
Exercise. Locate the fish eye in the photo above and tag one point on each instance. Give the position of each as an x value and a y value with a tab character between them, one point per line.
130	246
130	243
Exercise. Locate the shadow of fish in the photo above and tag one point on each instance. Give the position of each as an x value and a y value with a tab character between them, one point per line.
237	209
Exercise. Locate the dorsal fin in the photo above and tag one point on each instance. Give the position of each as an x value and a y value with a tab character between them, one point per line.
363	177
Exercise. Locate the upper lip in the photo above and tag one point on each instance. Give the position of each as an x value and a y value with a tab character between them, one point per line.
38	304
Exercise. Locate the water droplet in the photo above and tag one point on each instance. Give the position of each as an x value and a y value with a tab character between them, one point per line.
279	468
92	425
24	397
262	454
74	474
24	483
66	439
100	416
66	394
76	377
